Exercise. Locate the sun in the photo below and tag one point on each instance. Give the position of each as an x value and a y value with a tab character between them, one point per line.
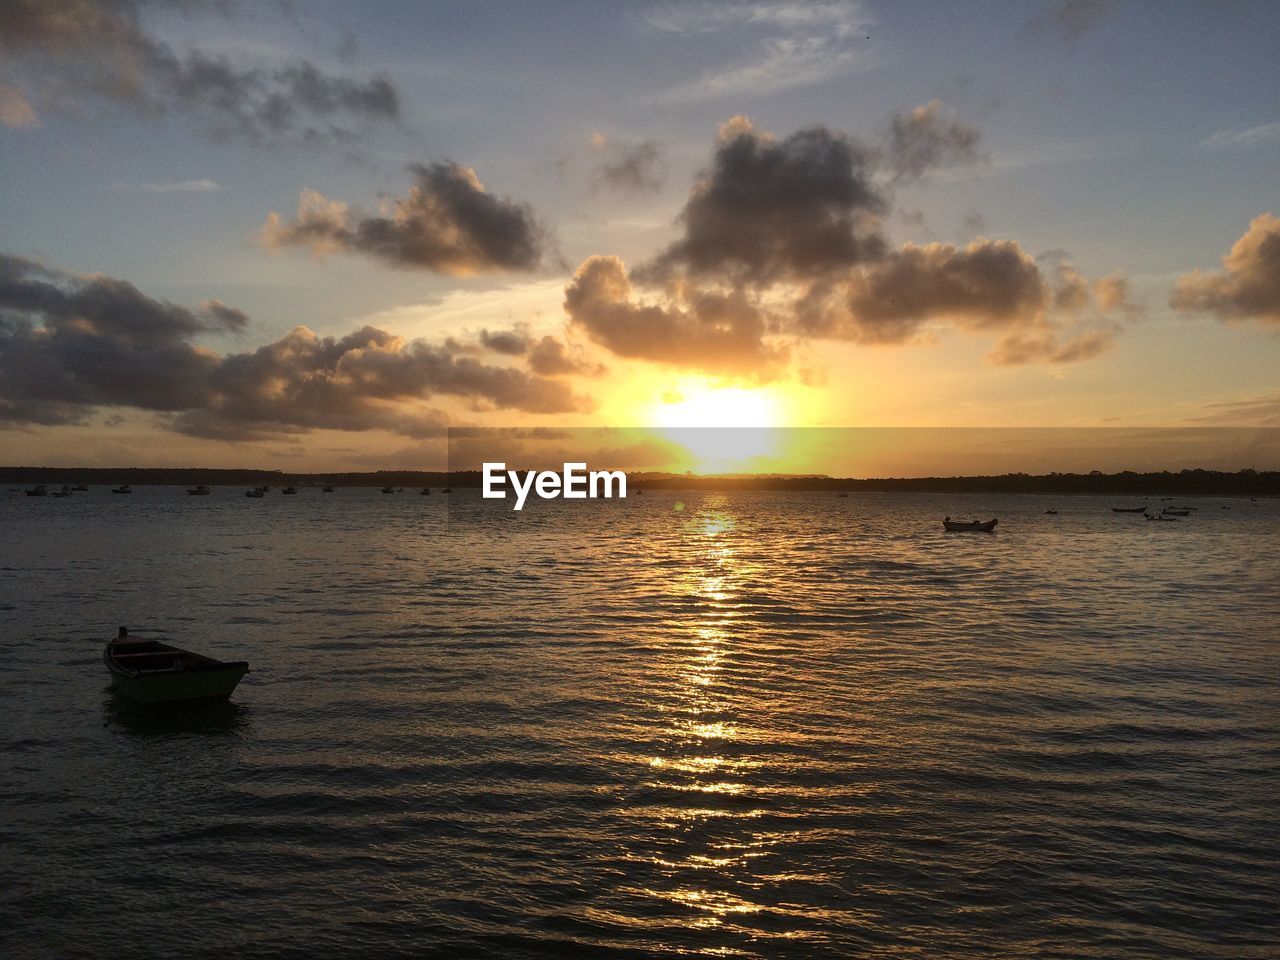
711	406
725	429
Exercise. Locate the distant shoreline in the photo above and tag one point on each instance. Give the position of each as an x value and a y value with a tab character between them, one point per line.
1243	483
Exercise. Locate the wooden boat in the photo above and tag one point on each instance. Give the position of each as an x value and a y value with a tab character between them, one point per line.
388	489
425	491
37	491
200	491
290	490
123	489
1051	513
1141	509
447	490
969	526
326	489
1173	512
255	492
152	671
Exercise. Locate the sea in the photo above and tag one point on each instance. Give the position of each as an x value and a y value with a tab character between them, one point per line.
683	724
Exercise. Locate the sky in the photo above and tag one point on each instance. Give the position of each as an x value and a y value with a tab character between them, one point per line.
316	236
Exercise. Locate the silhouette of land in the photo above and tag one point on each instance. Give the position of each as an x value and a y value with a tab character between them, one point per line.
1241	483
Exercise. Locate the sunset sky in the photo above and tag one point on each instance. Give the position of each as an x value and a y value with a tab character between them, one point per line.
314	235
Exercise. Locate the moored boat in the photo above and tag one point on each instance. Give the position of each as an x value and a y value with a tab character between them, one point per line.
326	489
153	671
122	489
388	489
1174	512
255	492
289	490
969	526
1141	509
37	491
200	491
425	491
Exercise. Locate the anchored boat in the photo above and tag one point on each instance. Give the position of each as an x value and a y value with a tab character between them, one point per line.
969	526
152	671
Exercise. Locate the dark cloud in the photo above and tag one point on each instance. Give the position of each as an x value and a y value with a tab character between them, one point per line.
720	333
447	223
632	168
1248	285
924	140
65	52
768	211
70	344
513	343
782	243
550	357
988	285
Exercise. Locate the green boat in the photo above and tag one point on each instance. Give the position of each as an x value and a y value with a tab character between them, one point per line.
152	671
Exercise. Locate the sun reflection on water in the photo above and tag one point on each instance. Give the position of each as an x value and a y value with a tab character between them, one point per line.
707	849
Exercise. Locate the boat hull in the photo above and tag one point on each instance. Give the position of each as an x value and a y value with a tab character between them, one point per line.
958	526
166	674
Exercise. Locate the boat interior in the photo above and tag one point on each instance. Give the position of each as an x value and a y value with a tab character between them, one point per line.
150	656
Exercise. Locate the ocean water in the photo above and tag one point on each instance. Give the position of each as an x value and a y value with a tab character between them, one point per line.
683	724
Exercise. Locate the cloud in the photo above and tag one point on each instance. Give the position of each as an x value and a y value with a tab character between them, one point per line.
769	210
1071	20
1260	410
448	223
803	45
924	139
514	343
71	344
988	285
549	357
1248	285
783	243
717	333
1249	137
75	52
169	186
631	168
15	111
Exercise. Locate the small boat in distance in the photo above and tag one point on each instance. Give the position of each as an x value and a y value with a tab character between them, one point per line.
425	491
255	492
200	491
1173	512
1051	513
64	492
1141	509
969	526
1156	516
289	490
152	671
124	488
326	489
447	490
37	491
388	489
80	488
